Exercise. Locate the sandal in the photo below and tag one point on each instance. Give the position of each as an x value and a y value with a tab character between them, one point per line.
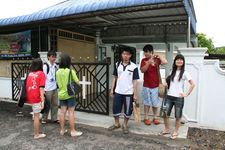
156	121
76	133
174	136
147	122
43	121
164	133
39	136
113	127
125	129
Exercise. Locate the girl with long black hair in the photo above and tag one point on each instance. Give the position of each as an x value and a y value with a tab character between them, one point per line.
175	96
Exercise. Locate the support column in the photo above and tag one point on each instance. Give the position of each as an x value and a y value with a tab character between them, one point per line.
189	32
98	43
194	60
169	57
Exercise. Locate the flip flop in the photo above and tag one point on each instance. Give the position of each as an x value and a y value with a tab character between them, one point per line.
76	133
56	121
62	132
174	136
125	129
164	133
39	136
113	127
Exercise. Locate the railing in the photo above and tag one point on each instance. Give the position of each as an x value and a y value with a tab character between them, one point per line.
94	78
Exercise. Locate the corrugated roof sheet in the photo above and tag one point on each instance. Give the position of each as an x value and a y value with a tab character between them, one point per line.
73	7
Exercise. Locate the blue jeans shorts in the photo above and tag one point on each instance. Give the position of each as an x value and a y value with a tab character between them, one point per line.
150	97
68	102
122	101
177	102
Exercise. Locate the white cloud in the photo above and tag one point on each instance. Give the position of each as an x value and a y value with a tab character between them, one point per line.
12	8
210	19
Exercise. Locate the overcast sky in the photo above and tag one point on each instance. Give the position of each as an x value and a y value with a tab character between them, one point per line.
210	14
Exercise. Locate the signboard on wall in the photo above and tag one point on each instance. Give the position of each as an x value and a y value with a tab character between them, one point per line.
15	45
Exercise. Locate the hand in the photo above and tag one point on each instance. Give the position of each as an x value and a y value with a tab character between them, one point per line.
182	94
42	104
135	97
111	93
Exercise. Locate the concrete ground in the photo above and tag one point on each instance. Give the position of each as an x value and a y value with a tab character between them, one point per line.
17	133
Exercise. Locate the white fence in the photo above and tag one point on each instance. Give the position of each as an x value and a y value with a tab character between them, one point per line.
206	105
5	88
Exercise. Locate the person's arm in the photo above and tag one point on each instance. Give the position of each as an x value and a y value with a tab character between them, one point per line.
145	65
190	89
162	59
42	96
114	78
75	78
135	82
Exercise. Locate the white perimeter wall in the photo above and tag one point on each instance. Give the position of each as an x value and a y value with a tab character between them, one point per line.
5	88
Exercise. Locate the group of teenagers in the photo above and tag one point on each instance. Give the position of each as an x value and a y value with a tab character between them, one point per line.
124	90
47	83
46	86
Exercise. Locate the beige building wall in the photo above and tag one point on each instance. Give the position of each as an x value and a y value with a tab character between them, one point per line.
79	50
5	66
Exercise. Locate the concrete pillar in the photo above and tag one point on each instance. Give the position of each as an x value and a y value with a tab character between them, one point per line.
194	60
169	57
98	43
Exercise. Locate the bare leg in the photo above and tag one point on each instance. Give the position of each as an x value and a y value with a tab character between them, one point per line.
177	126
126	122
36	124
117	121
155	112
71	119
167	124
146	111
62	117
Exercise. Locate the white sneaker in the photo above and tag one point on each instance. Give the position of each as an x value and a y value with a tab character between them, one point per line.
76	133
39	136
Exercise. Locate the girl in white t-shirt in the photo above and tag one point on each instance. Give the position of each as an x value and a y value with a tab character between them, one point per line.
175	95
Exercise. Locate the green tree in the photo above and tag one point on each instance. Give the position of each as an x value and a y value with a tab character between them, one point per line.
204	41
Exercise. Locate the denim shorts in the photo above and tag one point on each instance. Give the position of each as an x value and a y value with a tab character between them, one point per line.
150	97
121	101
68	102
177	102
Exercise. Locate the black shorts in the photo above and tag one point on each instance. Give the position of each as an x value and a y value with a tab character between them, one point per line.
178	102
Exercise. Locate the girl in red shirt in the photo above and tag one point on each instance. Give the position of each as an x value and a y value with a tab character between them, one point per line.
35	92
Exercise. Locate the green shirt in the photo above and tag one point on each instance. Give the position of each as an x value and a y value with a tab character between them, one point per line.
62	76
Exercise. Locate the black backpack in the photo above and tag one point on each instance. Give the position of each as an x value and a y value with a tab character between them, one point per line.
48	67
22	97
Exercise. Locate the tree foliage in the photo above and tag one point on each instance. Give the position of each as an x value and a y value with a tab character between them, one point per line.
203	41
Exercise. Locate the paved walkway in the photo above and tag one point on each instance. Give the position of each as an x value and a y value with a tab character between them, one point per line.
17	133
103	121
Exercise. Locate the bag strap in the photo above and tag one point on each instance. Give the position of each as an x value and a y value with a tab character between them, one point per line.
70	74
164	98
46	64
159	74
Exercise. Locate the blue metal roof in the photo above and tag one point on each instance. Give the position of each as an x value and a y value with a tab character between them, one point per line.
73	7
